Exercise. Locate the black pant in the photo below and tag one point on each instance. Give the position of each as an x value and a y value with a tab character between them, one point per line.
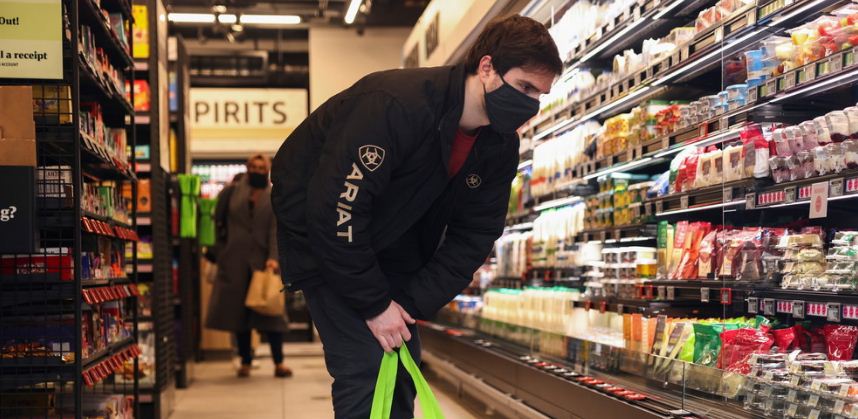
275	339
353	356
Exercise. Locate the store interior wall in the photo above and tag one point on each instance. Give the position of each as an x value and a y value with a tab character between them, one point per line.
340	57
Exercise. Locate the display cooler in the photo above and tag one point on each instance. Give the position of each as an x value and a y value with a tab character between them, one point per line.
681	237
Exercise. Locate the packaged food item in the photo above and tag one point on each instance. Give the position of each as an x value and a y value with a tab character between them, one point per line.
808	129
852	114
707	342
707	253
750	262
805	158
795	168
823	132
779	169
850	153
737	91
754	60
838	124
795	139
737	347
822	161
785	339
840	341
733	162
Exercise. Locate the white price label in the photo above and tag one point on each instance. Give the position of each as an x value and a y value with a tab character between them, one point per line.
798	309
814	414
662	292
728	194
659	207
665	142
683	202
789	194
833	312
750	201
838	406
813	400
810	72
704	295
671	293
836	187
753	305
769	306
771	87
836	63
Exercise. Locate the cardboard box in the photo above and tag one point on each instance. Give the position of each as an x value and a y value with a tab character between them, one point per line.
144	196
17	128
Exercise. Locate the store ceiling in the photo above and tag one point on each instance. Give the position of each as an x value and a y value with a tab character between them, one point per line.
377	12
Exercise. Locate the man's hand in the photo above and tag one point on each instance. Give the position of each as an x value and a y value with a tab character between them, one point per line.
390	328
272	265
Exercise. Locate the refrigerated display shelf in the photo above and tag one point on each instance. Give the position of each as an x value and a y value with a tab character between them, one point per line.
552	385
687	62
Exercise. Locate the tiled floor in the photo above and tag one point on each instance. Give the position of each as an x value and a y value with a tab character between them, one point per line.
216	393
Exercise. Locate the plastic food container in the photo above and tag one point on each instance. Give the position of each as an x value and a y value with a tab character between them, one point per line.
796	170
823	132
795	139
736	103
822	161
852	114
838	157
850	149
737	91
782	147
806	160
723	98
808	128
754	61
779	169
838	124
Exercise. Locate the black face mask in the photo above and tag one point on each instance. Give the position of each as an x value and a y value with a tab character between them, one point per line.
257	180
509	108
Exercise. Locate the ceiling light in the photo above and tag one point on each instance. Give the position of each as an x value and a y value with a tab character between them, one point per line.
270	19
191	17
237	28
228	19
352	11
218	8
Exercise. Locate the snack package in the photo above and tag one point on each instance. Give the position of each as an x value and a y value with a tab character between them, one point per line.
707	342
782	146
732	162
795	139
850	151
750	262
707	254
838	157
840	341
785	339
737	347
780	170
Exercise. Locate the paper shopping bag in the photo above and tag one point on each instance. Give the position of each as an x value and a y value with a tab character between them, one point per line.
382	399
264	295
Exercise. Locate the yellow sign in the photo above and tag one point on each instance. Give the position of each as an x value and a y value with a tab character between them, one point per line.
31	43
234	122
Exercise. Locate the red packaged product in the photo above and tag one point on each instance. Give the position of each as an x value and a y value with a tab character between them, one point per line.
690	168
809	340
840	341
785	339
738	345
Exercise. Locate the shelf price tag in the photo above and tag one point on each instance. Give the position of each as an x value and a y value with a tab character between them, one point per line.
768	306
791	396
724	123
704	295
719	34
662	292
750	200
665	142
683	202
671	293
813	401
789	81
836	63
620	308
647	209
752	94
793	408
789	194
728	194
753	305
836	187
771	87
833	312
798	309
659	206
810	72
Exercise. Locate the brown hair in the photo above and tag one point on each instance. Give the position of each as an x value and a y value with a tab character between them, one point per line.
259	157
516	41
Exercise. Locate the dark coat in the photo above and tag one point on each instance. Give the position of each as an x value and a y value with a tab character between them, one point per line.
250	240
363	199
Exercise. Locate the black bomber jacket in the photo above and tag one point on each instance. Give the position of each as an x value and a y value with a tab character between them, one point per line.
363	201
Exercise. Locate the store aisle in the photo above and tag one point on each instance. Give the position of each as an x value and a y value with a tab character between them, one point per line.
217	393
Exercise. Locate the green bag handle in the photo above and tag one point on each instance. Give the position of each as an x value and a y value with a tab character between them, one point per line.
382	399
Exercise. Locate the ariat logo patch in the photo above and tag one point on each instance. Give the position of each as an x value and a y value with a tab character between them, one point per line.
473	181
371	157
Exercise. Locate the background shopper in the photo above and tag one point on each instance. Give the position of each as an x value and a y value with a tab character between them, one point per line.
392	193
247	243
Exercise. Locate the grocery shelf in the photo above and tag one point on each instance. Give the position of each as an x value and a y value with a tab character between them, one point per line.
90	15
619	234
555	386
804	304
90	80
107	352
108	229
88	283
702	54
105	219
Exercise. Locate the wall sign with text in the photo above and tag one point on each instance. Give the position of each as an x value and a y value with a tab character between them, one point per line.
246	114
31	43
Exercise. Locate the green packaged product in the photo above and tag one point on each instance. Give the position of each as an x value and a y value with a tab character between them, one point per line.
707	342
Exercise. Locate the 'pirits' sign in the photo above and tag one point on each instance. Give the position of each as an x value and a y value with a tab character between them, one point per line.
239	114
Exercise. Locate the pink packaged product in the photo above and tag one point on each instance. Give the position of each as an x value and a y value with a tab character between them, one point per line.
838	157
822	161
795	138
782	147
796	169
808	128
780	171
838	124
823	132
805	158
850	149
852	114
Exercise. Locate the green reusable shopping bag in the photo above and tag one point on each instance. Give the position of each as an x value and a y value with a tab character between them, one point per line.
382	399
207	224
189	186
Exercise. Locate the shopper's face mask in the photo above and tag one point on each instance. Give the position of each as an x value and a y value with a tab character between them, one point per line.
257	180
508	108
